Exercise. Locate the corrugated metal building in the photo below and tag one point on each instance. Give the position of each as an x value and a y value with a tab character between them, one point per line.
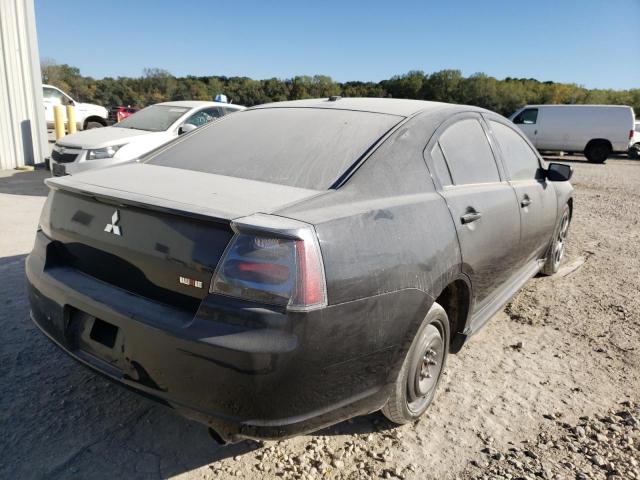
23	135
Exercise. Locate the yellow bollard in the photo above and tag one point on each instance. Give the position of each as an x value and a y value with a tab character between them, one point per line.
58	120
71	119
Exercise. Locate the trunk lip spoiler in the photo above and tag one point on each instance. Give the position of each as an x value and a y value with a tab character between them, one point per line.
115	195
276	225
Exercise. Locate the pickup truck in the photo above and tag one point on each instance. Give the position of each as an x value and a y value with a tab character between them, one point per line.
88	115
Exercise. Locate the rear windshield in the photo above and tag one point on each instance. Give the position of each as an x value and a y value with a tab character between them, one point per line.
156	118
299	147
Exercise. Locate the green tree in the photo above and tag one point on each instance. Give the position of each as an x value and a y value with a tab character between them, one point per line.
443	86
158	85
409	85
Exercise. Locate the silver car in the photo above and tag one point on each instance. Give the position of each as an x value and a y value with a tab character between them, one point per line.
134	136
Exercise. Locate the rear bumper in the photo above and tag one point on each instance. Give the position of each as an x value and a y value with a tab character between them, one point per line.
245	371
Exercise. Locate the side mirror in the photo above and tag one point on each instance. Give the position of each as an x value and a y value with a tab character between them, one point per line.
559	172
186	128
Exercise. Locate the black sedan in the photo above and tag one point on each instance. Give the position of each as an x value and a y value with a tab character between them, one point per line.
298	263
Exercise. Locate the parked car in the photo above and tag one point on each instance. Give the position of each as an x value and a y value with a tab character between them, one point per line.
634	143
595	130
134	136
298	263
117	114
88	115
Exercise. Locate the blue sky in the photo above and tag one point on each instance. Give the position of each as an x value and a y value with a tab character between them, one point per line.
595	43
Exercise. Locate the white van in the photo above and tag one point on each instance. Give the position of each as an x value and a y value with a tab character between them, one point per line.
596	130
634	143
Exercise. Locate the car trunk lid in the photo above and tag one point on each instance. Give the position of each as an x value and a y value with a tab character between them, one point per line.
154	231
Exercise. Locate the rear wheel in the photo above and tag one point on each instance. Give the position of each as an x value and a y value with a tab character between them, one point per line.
597	151
416	385
558	244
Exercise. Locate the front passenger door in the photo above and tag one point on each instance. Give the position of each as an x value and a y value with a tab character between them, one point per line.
527	121
52	97
536	197
482	204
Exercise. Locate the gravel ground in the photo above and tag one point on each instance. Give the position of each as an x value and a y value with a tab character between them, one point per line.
550	388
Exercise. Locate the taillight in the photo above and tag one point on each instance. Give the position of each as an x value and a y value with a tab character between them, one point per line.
272	260
631	134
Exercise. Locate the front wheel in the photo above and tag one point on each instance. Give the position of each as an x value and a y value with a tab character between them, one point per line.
558	244
634	151
416	385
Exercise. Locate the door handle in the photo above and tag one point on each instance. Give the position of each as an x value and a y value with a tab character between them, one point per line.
535	132
525	202
470	217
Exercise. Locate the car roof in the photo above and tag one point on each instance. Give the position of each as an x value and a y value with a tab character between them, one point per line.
199	103
389	106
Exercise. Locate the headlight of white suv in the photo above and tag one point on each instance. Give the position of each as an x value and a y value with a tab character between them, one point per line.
100	153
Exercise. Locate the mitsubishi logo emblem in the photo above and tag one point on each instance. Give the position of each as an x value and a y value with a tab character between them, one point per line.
113	227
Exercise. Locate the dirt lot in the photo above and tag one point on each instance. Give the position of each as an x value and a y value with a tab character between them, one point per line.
549	389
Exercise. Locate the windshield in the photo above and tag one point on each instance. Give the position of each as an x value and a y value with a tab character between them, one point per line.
299	147
156	118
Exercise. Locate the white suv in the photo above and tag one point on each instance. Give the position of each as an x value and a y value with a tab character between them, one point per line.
88	115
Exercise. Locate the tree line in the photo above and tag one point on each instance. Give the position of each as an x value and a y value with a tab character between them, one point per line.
157	85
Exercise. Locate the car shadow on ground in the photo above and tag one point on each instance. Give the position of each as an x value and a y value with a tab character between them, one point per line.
15	182
61	419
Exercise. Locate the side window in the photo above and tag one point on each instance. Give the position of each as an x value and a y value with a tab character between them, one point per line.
54	96
204	116
440	166
529	116
521	161
468	154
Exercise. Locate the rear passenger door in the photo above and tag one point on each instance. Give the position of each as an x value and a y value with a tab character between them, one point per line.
536	197
482	203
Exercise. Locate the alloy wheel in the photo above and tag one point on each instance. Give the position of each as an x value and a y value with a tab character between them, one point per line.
561	239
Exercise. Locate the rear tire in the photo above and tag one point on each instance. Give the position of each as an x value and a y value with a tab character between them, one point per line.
418	380
597	151
91	125
558	243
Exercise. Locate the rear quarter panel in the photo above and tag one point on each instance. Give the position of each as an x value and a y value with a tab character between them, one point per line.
385	234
